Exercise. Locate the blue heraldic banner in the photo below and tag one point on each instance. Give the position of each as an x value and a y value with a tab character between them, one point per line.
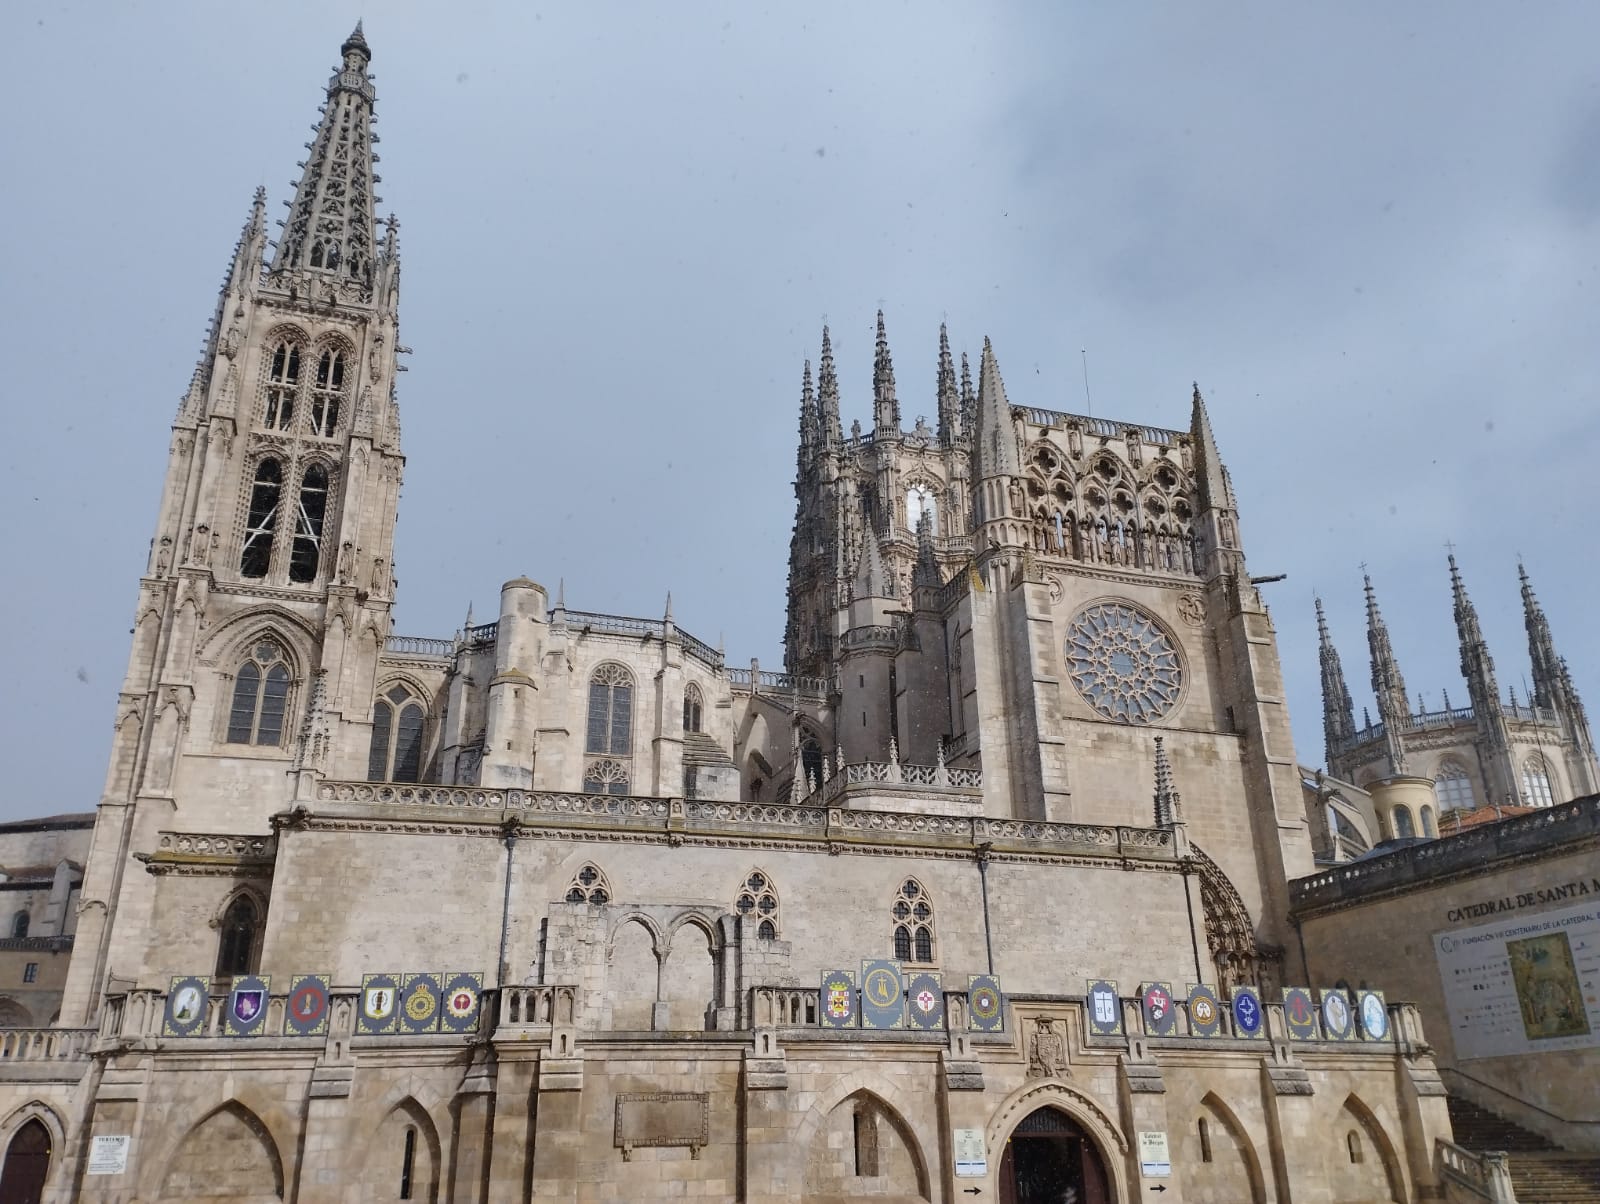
462	1003
1160	1010
1374	1015
1105	1012
1205	1011
1249	1017
838	999
882	995
185	1015
986	1006
306	1014
1338	1021
1300	1013
420	996
925	1001
378	1007
247	1006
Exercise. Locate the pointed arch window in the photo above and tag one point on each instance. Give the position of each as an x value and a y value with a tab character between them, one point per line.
309	515
693	705
1403	829
19	924
1428	826
810	763
1454	788
758	904
913	923
283	382
327	392
238	943
589	885
397	726
260	697
262	522
610	727
1536	790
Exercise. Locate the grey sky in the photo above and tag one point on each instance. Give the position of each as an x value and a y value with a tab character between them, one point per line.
1368	232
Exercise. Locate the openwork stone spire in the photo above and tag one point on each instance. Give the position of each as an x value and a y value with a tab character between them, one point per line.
809	431
1338	711
1550	679
997	439
1477	666
828	394
885	407
1389	687
950	425
1169	809
330	226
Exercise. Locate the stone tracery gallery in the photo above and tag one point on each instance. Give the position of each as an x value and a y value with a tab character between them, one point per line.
1028	681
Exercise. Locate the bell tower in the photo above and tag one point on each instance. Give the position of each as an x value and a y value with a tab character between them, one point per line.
266	599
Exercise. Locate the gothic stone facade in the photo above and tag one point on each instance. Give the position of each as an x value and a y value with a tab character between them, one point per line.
1006	638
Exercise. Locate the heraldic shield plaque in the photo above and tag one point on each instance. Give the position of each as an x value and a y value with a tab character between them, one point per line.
838	999
247	1005
307	1012
883	1003
1249	1017
1205	1011
1300	1013
1374	1015
925	1000
1338	1022
1160	1010
1105	1012
419	1003
986	1006
378	1007
185	1015
462	1003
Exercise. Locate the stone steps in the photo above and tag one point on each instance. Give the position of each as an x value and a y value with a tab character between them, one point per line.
1541	1172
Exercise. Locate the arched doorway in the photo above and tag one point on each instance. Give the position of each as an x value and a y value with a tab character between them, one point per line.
1050	1160
27	1165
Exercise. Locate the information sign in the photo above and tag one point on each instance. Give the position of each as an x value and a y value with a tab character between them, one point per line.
972	1161
1154	1160
109	1155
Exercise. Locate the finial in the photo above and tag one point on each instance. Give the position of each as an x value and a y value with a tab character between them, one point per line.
356	41
561	593
669	606
1166	797
894	752
469	623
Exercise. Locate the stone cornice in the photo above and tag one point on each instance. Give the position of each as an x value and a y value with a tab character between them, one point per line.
204	854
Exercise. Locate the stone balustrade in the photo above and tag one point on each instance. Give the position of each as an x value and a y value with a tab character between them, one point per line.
537	1006
45	1044
1470	1176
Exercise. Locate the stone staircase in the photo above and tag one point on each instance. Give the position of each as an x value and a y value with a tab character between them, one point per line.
1541	1172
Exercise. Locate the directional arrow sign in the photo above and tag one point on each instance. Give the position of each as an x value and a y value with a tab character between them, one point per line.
1159	1187
973	1191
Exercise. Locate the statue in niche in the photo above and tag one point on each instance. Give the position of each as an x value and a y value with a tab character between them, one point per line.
346	556
164	556
200	545
1047	1051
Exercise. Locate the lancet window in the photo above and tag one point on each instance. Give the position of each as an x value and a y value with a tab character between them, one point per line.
589	885
260	697
327	392
397	728
1454	788
693	707
913	923
262	522
609	736
237	943
283	384
1536	790
309	516
758	904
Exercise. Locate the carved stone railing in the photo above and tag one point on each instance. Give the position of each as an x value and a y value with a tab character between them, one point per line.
483	635
538	1006
868	775
677	818
45	1044
207	844
36	944
756	680
1547	828
877	635
1470	1176
785	1007
417	645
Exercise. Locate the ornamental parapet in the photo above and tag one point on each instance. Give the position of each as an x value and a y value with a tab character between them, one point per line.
676	819
209	852
1549	829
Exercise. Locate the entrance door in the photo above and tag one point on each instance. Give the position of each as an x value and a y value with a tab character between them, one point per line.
1050	1160
27	1163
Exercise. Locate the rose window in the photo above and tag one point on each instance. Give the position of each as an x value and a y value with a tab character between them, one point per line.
1122	663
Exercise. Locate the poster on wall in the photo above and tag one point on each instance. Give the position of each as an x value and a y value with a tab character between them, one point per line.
1526	984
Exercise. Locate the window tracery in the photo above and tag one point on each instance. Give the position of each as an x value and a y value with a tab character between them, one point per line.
1536	790
1122	663
260	697
327	392
306	552
758	904
262	522
283	385
1454	788
609	735
606	776
398	720
913	923
693	704
237	943
589	885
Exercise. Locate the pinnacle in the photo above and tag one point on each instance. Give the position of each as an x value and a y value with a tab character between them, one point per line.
356	41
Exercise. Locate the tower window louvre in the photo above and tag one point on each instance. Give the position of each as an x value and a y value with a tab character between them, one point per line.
265	493
283	382
260	697
307	551
327	392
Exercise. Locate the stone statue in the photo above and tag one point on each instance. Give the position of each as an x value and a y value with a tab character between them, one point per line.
1047	1051
164	557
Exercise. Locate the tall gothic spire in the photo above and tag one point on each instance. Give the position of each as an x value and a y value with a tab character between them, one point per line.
330	226
1216	489
808	419
1338	711
1547	669
926	572
885	407
1477	666
828	394
997	438
243	269
1387	683
969	398
950	428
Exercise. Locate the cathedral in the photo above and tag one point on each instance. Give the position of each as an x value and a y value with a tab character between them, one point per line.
985	894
